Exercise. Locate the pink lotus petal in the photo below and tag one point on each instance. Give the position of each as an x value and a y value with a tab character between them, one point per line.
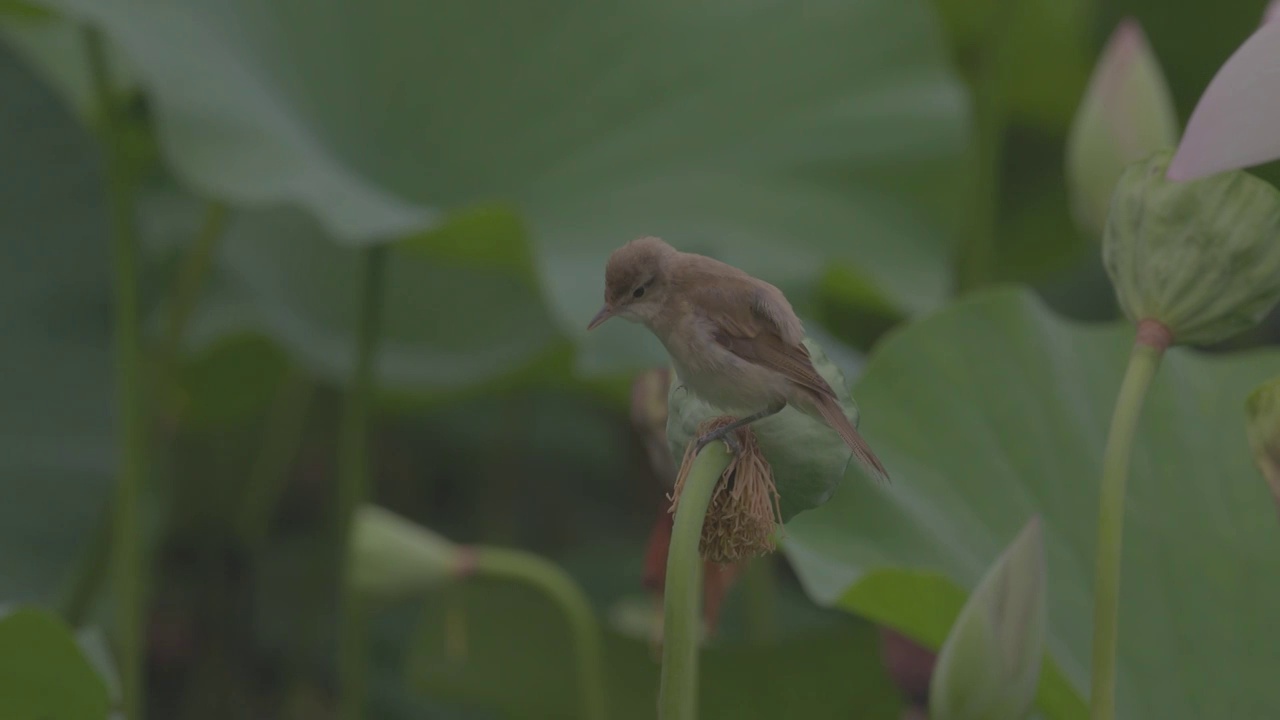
1236	124
1272	12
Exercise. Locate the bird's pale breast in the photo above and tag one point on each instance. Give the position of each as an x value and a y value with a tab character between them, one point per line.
718	376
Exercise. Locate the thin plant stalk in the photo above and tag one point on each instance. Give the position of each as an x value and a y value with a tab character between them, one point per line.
976	265
126	533
682	597
190	278
87	578
269	476
353	471
561	589
1144	360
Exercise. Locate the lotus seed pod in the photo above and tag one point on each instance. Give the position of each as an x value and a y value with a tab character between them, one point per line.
1200	257
989	665
1126	114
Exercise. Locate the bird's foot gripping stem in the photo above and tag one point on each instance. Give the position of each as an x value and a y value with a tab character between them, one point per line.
726	433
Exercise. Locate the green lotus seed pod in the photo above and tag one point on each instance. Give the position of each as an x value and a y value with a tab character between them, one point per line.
1263	409
1200	257
807	457
392	558
989	665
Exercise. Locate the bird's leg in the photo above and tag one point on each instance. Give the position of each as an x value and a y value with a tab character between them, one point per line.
724	433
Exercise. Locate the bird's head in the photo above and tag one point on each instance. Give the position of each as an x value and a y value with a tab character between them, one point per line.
635	281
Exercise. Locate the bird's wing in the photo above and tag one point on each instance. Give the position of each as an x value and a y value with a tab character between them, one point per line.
755	322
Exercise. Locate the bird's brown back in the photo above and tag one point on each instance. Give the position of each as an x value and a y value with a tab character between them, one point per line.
750	317
752	320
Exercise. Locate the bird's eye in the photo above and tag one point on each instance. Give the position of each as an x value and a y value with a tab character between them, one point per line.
638	292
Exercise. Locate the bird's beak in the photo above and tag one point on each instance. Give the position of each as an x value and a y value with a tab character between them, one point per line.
605	313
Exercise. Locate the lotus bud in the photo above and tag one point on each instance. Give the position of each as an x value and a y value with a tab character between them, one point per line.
989	665
1263	409
1127	113
1201	258
392	558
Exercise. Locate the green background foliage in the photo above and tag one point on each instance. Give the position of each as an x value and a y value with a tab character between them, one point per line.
876	159
997	411
44	672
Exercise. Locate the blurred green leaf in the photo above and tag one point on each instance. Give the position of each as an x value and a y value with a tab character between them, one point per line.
503	647
1047	42
55	403
1037	240
55	50
1046	49
694	120
456	313
1037	243
994	410
43	672
232	380
463	310
23	9
849	304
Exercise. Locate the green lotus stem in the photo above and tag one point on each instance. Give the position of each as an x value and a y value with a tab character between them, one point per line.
190	278
762	598
285	429
126	533
1144	361
682	598
353	469
976	264
88	576
564	592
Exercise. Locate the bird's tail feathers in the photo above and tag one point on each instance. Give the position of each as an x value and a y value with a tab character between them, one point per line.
831	411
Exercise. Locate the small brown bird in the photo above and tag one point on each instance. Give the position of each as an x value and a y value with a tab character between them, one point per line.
733	339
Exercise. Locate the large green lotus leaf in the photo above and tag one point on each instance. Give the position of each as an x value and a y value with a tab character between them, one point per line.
56	51
461	304
718	125
43	671
994	410
56	446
